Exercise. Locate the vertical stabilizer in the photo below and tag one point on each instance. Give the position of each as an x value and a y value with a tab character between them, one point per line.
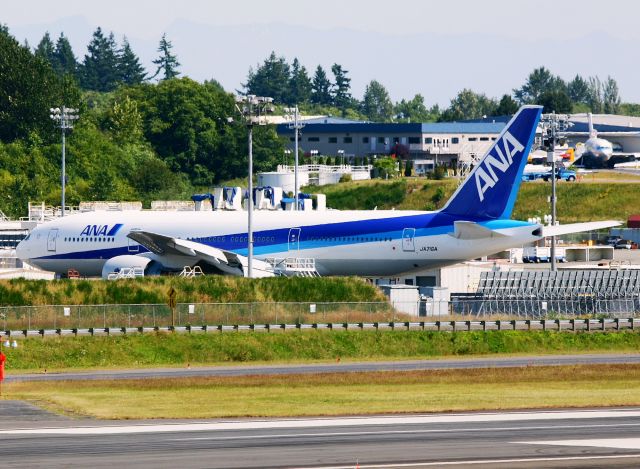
490	190
592	131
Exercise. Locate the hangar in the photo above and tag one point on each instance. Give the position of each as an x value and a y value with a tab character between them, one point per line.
444	143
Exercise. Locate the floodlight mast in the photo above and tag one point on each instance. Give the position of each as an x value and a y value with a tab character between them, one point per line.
64	118
554	128
253	110
293	115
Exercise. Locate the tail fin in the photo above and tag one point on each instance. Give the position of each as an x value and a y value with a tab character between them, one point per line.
490	190
592	132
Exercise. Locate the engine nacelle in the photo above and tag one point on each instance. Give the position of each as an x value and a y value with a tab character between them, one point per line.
120	263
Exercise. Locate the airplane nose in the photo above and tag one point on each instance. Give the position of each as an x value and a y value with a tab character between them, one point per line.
22	250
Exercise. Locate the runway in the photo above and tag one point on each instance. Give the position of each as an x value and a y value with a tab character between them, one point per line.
591	438
345	367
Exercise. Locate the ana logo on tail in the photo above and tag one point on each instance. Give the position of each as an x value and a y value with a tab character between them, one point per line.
485	174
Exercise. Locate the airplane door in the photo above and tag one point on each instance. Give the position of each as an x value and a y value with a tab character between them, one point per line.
51	240
294	239
132	245
408	239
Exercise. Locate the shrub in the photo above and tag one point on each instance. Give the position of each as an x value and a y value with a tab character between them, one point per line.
408	168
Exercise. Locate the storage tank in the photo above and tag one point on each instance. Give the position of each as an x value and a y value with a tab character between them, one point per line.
284	180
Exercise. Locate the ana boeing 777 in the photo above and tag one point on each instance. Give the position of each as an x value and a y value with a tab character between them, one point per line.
475	222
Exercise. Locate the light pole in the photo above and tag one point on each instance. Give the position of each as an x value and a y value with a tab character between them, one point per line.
253	110
293	114
64	119
285	156
341	154
554	126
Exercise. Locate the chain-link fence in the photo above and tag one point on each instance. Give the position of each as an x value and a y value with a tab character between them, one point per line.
160	315
152	315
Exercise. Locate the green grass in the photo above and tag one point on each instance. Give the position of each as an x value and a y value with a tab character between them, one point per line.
341	394
401	194
594	198
206	289
146	350
580	201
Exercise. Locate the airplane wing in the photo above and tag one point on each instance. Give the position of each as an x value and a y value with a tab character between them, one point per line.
578	227
227	261
471	230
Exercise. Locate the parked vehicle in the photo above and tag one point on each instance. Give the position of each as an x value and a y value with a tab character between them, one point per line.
624	244
562	173
533	176
613	240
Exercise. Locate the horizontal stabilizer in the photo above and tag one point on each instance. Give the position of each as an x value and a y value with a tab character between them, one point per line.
578	227
471	230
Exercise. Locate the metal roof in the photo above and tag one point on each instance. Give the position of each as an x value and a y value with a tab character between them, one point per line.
397	128
583	127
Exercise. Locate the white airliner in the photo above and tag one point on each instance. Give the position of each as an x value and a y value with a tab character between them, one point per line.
598	148
475	222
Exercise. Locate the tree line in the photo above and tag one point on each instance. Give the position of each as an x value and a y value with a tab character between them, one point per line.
292	84
133	141
140	138
107	64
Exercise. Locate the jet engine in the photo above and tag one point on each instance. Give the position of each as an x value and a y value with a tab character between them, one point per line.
130	264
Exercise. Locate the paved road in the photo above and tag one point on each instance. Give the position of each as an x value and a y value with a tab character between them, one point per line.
462	363
596	438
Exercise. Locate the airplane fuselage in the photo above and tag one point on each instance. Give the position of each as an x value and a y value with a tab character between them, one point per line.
367	243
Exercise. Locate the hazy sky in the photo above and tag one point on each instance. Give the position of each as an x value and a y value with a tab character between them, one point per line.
530	19
516	35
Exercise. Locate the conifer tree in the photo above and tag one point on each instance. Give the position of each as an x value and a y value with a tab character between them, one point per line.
99	71
130	70
272	78
321	88
45	50
64	60
342	87
167	62
299	84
